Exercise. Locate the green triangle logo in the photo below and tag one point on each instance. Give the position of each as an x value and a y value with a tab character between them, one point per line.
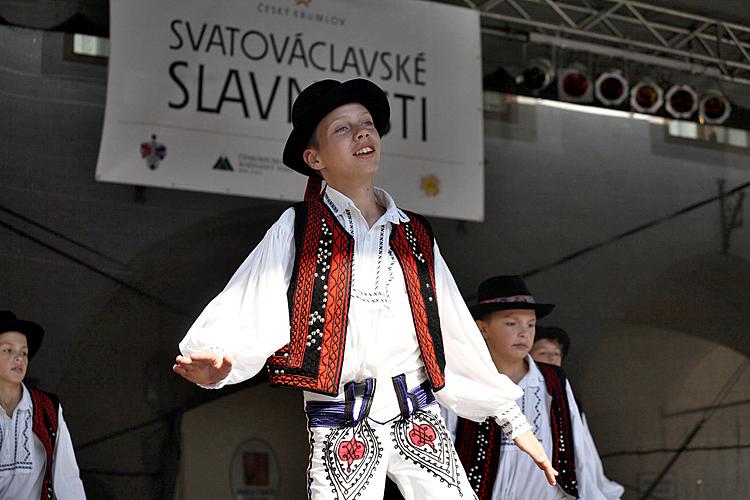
223	164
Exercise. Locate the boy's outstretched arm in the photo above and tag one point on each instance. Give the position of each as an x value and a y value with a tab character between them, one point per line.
529	444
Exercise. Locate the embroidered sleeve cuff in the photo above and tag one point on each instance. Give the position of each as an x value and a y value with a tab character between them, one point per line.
512	422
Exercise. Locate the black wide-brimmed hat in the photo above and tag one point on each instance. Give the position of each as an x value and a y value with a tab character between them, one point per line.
34	333
500	293
319	99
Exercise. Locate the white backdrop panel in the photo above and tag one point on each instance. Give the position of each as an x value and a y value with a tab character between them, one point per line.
199	94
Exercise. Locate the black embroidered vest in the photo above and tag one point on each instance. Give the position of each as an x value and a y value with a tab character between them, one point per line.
320	291
478	444
45	424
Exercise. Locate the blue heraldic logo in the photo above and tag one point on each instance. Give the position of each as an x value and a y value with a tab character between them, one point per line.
153	152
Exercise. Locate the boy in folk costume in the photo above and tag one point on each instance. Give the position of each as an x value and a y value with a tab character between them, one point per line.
551	346
506	314
348	298
36	453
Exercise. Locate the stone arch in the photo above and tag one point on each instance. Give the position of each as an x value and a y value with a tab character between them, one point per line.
707	296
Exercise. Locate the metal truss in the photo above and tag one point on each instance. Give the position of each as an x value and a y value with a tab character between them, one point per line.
631	29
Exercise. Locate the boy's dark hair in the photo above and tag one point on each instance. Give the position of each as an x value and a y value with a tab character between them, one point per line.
556	334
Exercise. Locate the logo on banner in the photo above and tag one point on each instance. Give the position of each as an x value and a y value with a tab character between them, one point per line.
431	185
223	164
153	152
303	13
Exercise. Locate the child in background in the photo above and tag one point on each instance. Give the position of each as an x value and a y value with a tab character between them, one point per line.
506	314
47	469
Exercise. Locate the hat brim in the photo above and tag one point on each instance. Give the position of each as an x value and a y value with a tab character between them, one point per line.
359	91
478	311
33	332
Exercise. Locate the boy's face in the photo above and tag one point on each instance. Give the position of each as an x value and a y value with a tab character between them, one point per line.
14	357
509	334
547	351
348	146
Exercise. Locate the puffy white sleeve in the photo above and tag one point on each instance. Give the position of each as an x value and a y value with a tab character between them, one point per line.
249	319
66	481
474	389
592	483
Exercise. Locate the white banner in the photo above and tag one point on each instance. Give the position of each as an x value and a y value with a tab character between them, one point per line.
199	94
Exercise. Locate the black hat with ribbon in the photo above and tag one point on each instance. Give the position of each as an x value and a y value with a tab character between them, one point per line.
33	332
500	293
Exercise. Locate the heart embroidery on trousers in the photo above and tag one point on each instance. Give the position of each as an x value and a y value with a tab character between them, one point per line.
351	456
351	451
423	440
423	434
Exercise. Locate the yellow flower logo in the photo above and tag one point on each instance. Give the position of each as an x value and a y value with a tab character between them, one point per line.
431	185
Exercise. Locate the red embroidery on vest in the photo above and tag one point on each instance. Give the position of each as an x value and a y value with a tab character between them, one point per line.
45	409
478	447
320	291
563	456
412	244
318	303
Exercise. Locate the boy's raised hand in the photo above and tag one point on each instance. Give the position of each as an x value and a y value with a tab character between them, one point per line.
204	367
529	444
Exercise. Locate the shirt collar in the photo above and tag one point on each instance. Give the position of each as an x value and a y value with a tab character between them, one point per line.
25	403
339	202
533	377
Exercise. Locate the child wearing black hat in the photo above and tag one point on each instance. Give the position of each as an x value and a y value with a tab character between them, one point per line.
36	452
506	313
340	299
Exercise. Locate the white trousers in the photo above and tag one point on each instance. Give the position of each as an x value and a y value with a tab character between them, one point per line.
415	451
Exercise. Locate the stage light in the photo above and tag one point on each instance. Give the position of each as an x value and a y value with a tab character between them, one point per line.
574	84
611	88
537	76
714	108
681	101
646	97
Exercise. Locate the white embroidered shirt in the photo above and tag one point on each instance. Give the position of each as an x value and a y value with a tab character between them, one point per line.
23	459
249	320
518	477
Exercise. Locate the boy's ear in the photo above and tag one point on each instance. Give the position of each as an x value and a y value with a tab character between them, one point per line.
312	158
482	327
